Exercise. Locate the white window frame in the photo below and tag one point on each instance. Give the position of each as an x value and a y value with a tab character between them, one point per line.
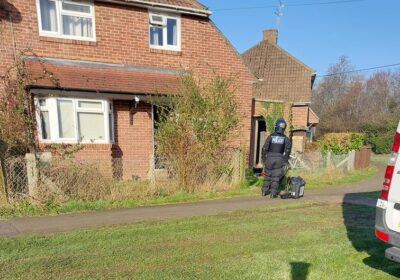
111	121
40	109
165	45
60	12
52	108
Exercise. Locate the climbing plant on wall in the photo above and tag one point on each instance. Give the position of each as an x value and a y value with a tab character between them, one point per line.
273	110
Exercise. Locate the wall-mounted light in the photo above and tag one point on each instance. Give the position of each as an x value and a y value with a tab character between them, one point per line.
132	106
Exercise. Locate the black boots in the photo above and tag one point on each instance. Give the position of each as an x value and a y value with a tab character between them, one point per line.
265	191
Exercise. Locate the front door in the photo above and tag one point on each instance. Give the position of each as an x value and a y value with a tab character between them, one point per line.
260	135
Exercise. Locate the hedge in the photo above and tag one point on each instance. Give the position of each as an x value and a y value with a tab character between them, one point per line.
341	143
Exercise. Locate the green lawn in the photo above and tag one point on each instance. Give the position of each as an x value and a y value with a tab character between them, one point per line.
296	241
320	179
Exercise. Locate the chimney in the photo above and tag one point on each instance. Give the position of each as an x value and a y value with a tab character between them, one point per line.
271	36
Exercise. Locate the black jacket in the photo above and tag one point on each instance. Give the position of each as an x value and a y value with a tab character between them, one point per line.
277	144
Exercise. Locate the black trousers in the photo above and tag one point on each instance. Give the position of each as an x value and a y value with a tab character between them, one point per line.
274	168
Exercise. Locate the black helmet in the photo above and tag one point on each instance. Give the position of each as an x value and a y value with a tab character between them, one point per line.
280	126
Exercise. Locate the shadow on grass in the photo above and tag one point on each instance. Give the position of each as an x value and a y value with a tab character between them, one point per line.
299	270
360	225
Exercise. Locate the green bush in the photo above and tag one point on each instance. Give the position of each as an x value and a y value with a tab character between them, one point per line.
380	136
251	180
341	143
194	128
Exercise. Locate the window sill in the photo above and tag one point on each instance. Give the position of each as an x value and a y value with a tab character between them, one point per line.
52	147
67	41
168	52
71	142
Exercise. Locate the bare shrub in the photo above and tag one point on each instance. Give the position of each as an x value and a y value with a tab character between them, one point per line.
17	110
73	179
141	190
193	131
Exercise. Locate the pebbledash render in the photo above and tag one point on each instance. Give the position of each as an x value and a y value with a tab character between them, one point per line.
108	57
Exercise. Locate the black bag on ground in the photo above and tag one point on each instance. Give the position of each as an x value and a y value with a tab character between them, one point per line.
294	188
297	185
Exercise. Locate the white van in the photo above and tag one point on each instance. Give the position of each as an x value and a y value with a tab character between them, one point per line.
387	222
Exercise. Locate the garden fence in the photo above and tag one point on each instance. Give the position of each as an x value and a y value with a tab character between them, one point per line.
27	175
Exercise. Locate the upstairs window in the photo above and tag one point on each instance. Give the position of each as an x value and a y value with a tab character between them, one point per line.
164	31
66	19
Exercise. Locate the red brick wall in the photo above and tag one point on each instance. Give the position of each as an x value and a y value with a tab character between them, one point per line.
300	116
122	37
133	141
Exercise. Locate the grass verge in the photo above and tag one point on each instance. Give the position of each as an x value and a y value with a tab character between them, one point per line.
26	208
295	241
315	180
320	179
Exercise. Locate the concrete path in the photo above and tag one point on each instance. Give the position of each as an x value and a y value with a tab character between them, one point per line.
53	224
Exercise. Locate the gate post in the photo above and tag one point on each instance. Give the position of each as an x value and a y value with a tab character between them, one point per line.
351	161
3	192
32	172
152	167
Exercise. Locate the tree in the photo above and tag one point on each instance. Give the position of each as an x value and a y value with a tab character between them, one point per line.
334	85
346	101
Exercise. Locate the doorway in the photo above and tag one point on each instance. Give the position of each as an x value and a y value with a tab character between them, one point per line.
260	134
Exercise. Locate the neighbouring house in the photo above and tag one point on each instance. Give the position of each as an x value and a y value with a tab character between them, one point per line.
284	84
108	56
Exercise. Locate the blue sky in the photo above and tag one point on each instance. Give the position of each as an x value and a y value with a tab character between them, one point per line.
367	31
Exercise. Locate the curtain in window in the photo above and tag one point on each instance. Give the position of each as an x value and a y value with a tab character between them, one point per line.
77	26
172	32
48	15
66	119
45	124
156	36
91	126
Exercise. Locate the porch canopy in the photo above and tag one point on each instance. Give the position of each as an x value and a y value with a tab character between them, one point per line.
313	118
116	81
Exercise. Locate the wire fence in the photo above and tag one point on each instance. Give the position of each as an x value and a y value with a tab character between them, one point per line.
45	177
313	160
16	176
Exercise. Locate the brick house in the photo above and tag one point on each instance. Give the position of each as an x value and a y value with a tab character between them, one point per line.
108	56
284	79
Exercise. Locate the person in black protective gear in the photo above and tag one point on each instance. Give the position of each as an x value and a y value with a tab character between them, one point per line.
275	157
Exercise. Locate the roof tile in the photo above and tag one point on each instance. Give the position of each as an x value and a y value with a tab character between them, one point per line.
192	4
103	79
283	76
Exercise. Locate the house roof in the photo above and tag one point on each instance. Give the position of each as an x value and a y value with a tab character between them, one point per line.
262	56
102	77
281	75
184	6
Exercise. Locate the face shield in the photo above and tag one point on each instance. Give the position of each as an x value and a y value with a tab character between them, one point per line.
280	127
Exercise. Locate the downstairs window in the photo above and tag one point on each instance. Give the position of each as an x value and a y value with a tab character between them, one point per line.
73	120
